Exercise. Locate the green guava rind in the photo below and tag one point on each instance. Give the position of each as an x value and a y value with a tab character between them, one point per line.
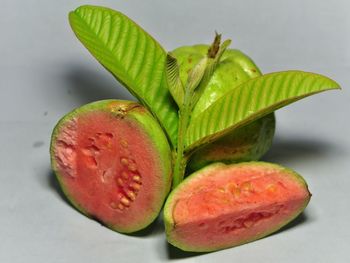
141	116
234	68
247	143
206	171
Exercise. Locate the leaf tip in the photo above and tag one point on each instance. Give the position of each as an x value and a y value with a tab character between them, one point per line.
332	83
77	10
70	15
336	85
170	57
226	43
74	13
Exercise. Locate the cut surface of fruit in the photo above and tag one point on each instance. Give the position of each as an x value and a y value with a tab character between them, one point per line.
113	163
222	206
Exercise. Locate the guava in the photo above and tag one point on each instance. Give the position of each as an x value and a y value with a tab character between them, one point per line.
113	162
222	206
247	143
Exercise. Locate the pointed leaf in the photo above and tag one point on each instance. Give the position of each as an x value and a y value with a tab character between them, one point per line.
251	100
174	82
215	61
222	49
196	74
131	55
212	63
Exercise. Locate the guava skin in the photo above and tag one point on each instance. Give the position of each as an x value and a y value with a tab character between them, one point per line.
194	211
234	69
247	143
146	202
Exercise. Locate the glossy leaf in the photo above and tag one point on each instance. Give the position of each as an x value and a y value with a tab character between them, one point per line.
174	82
251	100
196	74
131	55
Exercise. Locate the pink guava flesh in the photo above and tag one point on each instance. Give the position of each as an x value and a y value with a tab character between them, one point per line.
108	168
233	205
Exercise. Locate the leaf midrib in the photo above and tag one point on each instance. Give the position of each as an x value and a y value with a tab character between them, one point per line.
128	82
193	143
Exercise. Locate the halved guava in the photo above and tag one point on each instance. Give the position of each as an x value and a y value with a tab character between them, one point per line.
222	206
247	143
113	163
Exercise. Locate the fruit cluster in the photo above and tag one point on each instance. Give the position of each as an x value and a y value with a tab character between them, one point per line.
203	109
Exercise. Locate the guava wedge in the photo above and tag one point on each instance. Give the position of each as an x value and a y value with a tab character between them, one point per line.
222	206
247	143
113	162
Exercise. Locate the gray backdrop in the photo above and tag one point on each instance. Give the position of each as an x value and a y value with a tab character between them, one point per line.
45	72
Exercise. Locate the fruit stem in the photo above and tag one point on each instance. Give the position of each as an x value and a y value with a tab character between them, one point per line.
190	99
180	160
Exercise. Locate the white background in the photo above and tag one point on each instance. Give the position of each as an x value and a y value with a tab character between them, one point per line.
45	72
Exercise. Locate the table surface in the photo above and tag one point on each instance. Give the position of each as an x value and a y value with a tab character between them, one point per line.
45	72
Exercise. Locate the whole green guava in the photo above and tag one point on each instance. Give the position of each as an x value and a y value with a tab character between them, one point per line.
247	143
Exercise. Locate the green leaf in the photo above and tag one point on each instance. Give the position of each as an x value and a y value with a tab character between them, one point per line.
222	49
196	74
131	55
174	82
212	63
251	100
